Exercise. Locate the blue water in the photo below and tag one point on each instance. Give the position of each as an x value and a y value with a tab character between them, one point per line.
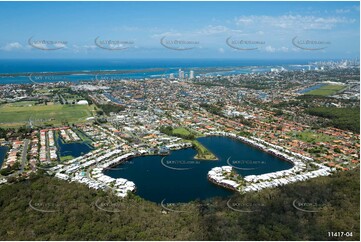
57	65
3	150
74	149
156	182
168	66
311	88
113	99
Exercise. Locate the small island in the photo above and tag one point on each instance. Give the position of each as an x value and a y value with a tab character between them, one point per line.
202	152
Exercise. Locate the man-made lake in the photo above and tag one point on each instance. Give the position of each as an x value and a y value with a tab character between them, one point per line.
74	149
311	88
180	178
3	150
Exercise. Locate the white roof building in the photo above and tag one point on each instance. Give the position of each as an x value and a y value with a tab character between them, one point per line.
83	102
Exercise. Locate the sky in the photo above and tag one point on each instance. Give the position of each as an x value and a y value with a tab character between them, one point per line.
241	30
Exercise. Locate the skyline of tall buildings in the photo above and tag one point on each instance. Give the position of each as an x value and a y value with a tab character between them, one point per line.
191	74
183	75
180	74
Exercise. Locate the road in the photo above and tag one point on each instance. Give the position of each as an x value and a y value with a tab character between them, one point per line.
24	155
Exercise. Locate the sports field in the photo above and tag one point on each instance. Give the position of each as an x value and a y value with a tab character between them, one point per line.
15	115
181	131
310	137
326	90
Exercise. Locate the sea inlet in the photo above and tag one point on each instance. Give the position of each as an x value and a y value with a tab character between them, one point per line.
3	150
178	177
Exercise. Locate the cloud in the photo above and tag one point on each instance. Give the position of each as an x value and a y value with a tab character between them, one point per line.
292	22
210	29
86	47
219	29
347	10
126	29
83	48
342	11
39	45
205	31
12	46
283	49
168	34
245	20
60	45
271	49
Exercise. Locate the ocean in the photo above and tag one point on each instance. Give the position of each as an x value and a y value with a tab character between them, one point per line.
134	68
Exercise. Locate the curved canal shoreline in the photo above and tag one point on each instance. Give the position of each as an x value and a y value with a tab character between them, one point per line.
258	182
262	145
216	176
229	184
99	161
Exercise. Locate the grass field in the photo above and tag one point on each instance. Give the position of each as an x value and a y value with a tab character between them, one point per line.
83	136
15	115
326	90
202	152
181	131
310	137
66	158
20	104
